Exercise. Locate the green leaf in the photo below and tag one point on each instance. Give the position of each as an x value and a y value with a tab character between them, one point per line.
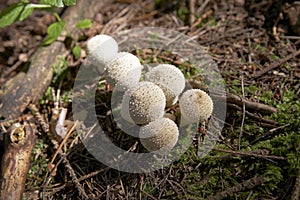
69	2
57	3
85	23
26	12
15	12
54	30
49	40
76	51
11	14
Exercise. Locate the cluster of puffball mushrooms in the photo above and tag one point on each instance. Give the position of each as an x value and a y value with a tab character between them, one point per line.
144	102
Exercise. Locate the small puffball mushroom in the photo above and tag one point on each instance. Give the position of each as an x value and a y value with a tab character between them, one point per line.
161	133
146	103
195	105
124	71
170	79
102	49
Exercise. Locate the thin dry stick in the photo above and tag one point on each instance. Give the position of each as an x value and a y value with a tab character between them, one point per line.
275	64
74	178
260	119
249	154
202	7
244	113
64	141
192	4
246	185
200	19
237	100
58	152
259	107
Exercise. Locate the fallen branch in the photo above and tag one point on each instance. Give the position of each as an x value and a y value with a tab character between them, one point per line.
246	185
18	144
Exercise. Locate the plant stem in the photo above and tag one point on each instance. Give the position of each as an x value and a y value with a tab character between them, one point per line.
56	15
33	5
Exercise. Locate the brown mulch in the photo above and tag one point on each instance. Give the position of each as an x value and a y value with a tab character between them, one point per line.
243	37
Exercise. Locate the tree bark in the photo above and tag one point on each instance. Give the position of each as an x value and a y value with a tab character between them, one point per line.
18	144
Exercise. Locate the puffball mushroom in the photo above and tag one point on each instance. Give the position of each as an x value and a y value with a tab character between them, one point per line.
124	70
102	49
146	103
161	133
170	79
195	105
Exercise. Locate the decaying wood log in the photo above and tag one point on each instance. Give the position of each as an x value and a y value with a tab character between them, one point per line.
39	75
18	144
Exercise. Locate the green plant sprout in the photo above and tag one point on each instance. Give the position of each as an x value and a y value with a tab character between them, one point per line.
21	10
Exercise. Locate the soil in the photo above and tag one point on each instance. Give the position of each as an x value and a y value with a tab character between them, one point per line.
243	37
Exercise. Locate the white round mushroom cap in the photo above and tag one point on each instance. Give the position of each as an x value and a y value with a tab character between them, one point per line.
195	105
102	49
147	103
170	79
124	71
161	134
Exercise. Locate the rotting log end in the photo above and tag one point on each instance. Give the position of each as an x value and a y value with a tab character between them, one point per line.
18	143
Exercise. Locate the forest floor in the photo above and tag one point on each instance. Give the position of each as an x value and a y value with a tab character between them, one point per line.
256	47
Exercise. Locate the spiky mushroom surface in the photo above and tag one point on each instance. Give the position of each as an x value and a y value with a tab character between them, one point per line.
102	49
195	105
170	79
146	102
161	134
124	71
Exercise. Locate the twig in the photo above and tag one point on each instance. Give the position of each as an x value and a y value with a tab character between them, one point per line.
234	99
269	133
192	4
274	28
200	19
63	142
176	62
44	125
246	185
249	154
74	177
275	64
58	148
271	123
202	7
244	113
259	107
17	64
